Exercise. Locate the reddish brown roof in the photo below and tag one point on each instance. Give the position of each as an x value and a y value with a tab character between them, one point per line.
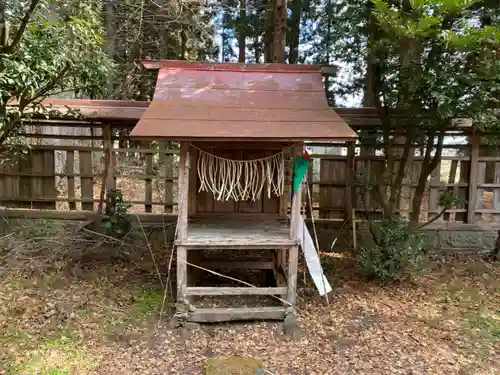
196	100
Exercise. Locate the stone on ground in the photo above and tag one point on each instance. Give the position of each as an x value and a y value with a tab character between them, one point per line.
292	328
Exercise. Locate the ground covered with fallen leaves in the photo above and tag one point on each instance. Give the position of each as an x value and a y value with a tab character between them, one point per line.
75	303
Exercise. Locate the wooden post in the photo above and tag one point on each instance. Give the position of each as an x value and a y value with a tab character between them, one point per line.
181	273
434	208
70	172
167	167
183	192
87	180
111	175
310	180
295	213
148	194
349	194
475	141
293	256
108	179
182	227
293	252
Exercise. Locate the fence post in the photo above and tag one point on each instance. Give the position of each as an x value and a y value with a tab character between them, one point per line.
349	212
475	142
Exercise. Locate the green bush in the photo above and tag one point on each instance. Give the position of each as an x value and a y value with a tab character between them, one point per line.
397	253
116	220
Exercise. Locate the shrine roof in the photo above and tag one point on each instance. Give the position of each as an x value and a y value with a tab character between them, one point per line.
265	102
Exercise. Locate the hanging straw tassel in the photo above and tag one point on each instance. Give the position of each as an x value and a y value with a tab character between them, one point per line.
240	179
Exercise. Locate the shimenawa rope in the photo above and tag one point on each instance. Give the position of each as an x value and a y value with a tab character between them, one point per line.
240	179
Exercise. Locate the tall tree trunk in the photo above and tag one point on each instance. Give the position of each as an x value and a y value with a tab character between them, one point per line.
371	68
110	41
242	32
294	31
275	35
328	82
269	31
4	26
279	31
402	157
370	96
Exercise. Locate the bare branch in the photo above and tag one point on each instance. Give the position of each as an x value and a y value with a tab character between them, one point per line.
433	219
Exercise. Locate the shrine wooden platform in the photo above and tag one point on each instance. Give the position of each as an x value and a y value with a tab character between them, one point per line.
236	231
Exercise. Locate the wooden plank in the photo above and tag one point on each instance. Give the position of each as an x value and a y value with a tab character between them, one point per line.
193	177
235	265
234	245
375	176
213	315
148	193
70	170
325	193
87	180
79	215
49	183
24	184
3	183
475	142
434	192
369	157
451	180
337	197
496	192
64	199
93	148
233	291
481	175
55	174
360	168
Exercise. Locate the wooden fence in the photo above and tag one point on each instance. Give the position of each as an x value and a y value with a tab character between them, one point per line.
64	172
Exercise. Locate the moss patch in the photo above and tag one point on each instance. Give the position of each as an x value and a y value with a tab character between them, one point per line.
233	366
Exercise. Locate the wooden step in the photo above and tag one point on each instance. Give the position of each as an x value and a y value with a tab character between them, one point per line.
233	291
235	245
214	315
237	265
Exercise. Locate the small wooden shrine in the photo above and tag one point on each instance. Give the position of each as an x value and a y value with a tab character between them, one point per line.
239	126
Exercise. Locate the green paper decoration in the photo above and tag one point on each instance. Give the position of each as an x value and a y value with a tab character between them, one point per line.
300	166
